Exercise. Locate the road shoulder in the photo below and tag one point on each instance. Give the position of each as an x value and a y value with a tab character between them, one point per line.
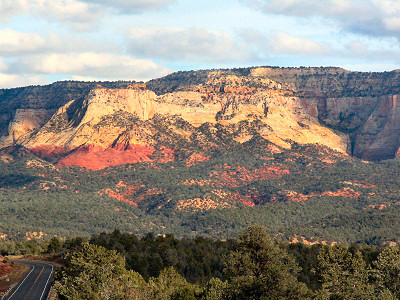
19	271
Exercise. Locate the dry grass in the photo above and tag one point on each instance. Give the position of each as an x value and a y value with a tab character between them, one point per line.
17	274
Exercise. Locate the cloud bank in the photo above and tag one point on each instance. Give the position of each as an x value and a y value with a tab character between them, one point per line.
187	44
108	66
80	15
132	6
369	17
143	39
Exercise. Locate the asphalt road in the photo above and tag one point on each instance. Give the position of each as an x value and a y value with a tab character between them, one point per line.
36	283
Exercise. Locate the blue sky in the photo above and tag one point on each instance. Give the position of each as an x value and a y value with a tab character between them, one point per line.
42	41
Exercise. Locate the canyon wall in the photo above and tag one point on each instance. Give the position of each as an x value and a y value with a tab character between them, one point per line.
361	105
116	123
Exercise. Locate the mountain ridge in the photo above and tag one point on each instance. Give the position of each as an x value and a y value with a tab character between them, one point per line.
352	112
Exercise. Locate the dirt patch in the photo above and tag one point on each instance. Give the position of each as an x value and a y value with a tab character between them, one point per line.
234	177
196	158
17	273
293	196
97	158
199	204
6	158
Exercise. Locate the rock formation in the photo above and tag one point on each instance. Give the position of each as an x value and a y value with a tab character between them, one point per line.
25	121
97	126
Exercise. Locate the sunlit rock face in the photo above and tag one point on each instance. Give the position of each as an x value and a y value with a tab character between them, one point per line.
197	112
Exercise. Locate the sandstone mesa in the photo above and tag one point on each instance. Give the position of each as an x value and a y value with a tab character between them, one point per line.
96	126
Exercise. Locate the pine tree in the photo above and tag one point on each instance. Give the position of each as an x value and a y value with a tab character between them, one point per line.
344	275
260	269
94	272
388	270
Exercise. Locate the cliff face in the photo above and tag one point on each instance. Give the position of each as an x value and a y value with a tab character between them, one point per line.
24	121
362	105
48	97
359	105
102	120
195	113
379	138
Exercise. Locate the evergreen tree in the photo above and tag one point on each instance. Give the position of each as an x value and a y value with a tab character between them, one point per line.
388	270
260	269
94	272
55	246
214	290
344	275
170	285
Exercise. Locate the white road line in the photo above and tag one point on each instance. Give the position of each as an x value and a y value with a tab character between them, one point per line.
47	281
33	267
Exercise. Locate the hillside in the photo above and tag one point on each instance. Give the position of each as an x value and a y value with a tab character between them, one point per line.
351	112
361	105
301	150
307	193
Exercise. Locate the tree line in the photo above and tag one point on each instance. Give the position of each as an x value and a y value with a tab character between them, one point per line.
122	266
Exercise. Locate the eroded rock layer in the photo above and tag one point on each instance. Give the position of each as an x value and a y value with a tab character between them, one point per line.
191	114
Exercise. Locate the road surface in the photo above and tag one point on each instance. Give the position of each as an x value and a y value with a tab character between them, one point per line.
36	283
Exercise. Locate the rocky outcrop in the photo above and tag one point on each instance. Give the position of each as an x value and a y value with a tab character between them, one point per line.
372	123
24	122
379	138
229	100
102	101
117	126
48	97
361	105
95	132
200	112
96	158
99	120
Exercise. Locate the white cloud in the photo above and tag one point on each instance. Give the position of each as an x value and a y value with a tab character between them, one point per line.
3	65
371	17
285	43
187	44
14	42
12	80
7	80
10	8
332	8
77	14
30	57
358	49
91	64
392	24
388	7
282	43
81	15
132	6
